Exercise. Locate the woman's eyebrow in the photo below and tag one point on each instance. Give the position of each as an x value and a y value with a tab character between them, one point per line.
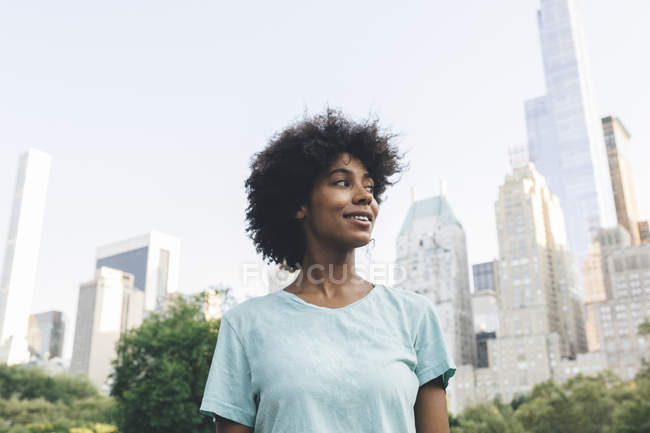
346	171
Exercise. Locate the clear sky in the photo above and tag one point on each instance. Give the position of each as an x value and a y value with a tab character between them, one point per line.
152	109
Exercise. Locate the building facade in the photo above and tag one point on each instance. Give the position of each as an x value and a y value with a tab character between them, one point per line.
108	306
21	255
564	133
45	335
153	259
539	291
622	181
486	276
432	249
615	321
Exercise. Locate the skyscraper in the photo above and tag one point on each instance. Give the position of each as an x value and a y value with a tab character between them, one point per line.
622	182
564	135
108	306
45	335
432	249
21	255
538	291
152	258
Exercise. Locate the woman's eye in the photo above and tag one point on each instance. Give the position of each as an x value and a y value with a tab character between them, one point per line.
371	188
339	181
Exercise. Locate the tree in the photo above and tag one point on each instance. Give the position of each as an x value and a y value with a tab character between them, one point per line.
488	418
549	410
633	415
31	382
592	402
161	369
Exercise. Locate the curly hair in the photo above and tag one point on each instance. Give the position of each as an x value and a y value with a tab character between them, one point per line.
285	172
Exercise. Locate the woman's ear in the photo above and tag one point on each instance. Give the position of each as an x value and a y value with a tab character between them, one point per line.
302	212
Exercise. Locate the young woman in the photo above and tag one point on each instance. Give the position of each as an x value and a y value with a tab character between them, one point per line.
330	353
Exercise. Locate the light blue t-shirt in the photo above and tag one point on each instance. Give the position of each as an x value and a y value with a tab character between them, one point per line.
283	365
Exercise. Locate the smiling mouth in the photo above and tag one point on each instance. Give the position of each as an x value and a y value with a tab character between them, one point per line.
357	217
359	220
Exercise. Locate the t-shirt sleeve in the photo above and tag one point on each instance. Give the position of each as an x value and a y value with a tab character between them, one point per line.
228	390
433	357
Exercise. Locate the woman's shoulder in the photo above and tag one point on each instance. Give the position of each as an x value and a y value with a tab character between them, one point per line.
411	302
241	315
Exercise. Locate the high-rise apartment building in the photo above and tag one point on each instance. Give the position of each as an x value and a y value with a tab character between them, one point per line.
614	322
152	258
45	335
622	182
21	255
539	292
432	249
108	306
564	134
594	269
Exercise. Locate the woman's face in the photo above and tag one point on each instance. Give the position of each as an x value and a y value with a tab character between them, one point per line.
343	210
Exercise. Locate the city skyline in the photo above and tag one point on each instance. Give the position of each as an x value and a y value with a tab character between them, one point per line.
146	182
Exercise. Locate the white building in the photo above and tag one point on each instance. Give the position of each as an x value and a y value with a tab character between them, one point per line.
432	251
21	255
541	331
564	132
152	258
108	306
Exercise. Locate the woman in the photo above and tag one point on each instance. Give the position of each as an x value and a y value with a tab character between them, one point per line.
330	353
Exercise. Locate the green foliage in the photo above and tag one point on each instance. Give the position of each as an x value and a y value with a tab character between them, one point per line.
489	418
32	401
161	368
600	404
31	383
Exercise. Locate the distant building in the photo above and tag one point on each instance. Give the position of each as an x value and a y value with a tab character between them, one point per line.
21	255
432	249
45	335
108	306
539	291
541	325
486	276
565	137
615	321
644	232
622	182
594	269
152	258
485	307
482	338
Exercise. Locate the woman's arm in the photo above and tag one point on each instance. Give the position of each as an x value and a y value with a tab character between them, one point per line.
225	425
431	408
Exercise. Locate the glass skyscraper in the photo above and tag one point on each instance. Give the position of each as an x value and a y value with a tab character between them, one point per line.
21	254
564	134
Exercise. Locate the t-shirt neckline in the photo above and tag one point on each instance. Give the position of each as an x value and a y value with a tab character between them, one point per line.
318	307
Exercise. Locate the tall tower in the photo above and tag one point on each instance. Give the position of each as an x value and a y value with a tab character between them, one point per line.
622	182
108	306
21	255
538	289
564	135
432	249
152	258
